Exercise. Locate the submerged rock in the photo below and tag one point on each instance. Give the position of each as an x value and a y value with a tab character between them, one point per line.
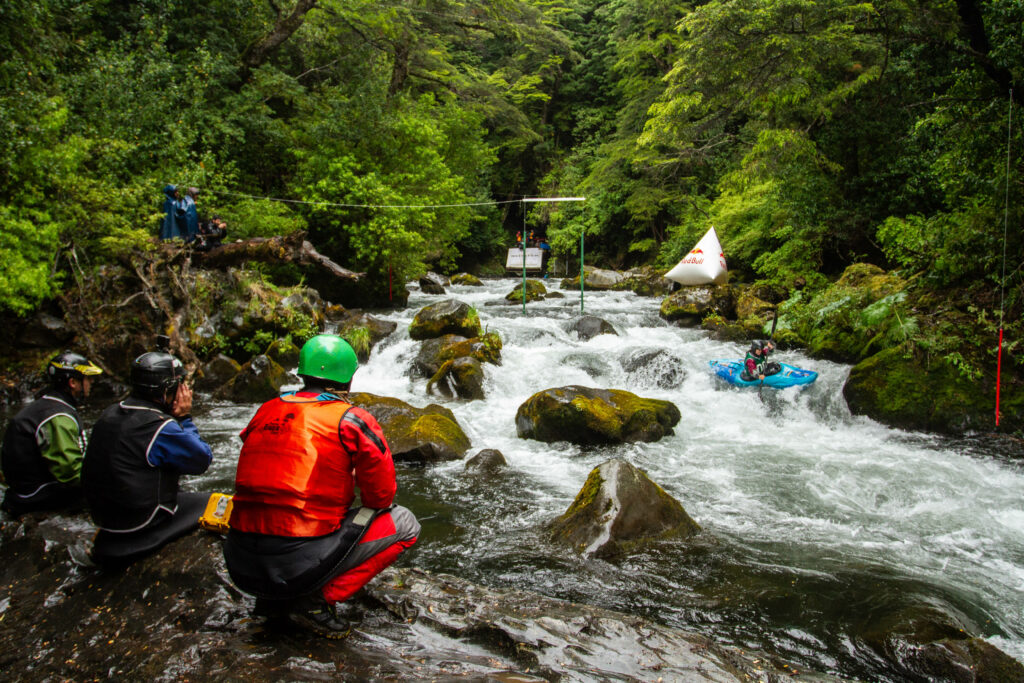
655	366
589	326
487	461
445	317
585	415
419	435
466	279
619	510
177	616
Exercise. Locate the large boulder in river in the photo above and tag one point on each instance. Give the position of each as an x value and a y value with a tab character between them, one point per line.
645	281
619	510
466	279
462	377
595	279
913	391
418	435
454	363
449	316
177	616
688	306
589	326
535	291
260	379
432	283
584	415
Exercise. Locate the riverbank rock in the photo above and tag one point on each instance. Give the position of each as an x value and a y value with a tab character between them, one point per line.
445	317
619	510
535	291
690	305
645	281
911	391
417	435
584	415
595	279
361	330
177	616
589	326
259	379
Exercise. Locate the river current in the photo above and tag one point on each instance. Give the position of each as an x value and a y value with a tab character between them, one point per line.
819	526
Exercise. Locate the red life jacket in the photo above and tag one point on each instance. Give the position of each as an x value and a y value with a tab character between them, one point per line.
294	474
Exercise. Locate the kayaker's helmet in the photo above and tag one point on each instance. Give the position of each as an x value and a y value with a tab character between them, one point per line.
68	365
756	345
328	357
154	374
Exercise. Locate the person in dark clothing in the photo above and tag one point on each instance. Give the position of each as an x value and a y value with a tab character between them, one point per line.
756	363
191	214
42	449
137	451
545	255
174	223
211	233
297	542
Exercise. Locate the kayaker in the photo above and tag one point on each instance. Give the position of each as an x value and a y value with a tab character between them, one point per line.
42	449
756	363
296	541
137	451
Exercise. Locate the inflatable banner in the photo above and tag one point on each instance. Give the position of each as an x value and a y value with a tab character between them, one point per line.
705	264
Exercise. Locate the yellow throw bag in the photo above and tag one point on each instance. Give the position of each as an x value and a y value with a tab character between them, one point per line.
217	515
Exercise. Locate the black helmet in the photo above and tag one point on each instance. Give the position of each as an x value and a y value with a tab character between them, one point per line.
69	364
155	373
757	345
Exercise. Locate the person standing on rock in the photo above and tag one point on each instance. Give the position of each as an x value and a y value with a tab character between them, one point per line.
42	450
138	450
297	542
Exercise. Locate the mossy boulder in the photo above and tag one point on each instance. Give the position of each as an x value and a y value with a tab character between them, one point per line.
645	281
535	291
688	306
449	316
284	353
217	372
584	415
909	390
620	510
259	379
862	313
462	377
362	330
466	279
417	435
589	326
429	359
598	279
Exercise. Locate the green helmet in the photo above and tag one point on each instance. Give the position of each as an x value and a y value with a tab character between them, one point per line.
329	357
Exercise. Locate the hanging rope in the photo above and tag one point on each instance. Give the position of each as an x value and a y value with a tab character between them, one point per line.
1002	279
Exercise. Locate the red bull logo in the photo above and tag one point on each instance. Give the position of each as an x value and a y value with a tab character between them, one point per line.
696	250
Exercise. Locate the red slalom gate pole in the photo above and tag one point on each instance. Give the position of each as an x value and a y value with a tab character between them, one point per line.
999	367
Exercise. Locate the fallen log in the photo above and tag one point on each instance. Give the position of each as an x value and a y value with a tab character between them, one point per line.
293	248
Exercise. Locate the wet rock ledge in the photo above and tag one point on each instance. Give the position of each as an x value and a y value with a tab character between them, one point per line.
175	616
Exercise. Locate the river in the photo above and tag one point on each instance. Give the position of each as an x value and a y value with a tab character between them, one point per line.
819	525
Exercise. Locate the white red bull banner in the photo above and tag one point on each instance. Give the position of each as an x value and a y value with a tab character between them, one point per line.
705	264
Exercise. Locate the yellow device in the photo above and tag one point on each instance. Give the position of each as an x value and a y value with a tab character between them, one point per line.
217	515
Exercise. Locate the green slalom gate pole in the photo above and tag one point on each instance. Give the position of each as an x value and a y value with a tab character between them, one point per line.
526	200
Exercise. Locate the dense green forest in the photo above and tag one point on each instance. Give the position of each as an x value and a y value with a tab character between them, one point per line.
811	133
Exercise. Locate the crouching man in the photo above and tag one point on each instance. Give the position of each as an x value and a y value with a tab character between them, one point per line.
296	541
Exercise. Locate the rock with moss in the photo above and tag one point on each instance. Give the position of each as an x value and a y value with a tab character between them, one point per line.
462	377
585	415
535	291
688	306
449	316
862	313
589	326
618	511
429	358
283	352
217	372
260	379
909	390
467	279
597	279
417	435
645	281
362	330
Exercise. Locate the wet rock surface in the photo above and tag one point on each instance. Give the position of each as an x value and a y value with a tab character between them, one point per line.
449	316
176	616
418	435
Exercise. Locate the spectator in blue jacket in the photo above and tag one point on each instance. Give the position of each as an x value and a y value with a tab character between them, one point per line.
191	214
138	450
174	224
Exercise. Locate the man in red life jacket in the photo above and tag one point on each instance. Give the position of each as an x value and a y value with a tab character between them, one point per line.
297	542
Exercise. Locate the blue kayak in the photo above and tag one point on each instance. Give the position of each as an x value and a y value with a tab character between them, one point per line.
788	376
